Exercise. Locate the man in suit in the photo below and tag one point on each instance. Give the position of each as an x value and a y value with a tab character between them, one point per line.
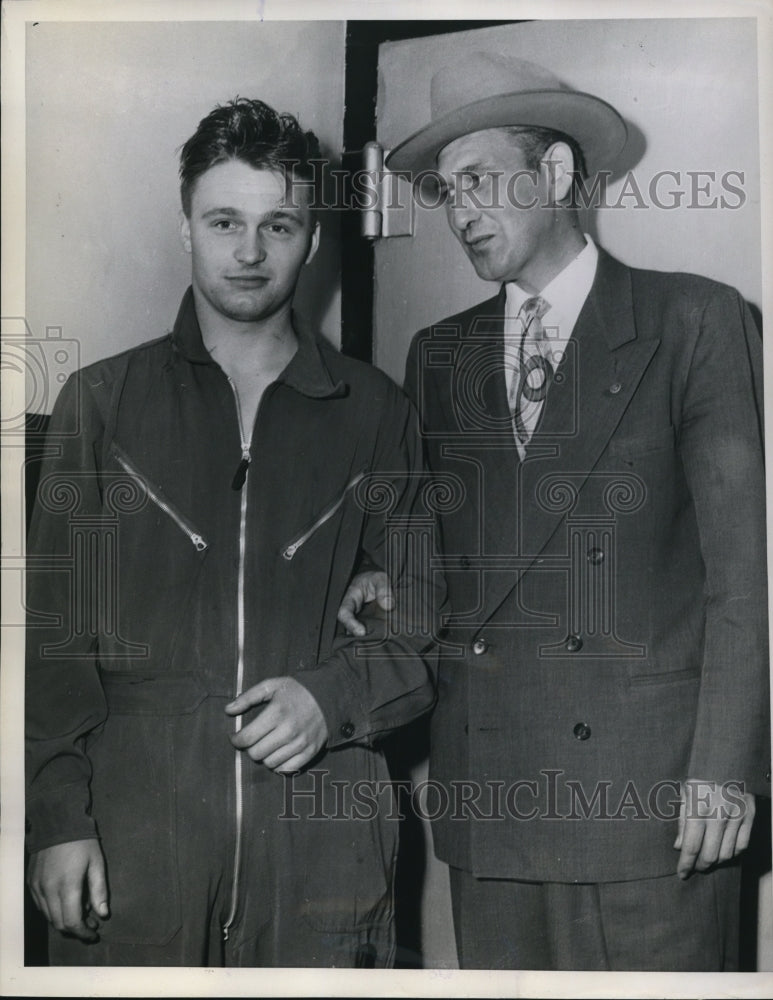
602	724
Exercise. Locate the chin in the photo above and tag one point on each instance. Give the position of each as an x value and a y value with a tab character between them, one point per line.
486	269
245	309
242	314
487	273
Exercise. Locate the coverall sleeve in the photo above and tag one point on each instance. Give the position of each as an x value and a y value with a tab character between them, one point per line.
369	686
722	453
64	696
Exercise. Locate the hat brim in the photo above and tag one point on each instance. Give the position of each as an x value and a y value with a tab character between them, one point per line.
590	121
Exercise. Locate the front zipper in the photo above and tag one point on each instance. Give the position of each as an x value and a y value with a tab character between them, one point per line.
289	551
128	466
238	483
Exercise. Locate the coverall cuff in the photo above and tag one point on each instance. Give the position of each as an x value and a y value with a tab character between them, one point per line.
58	817
332	690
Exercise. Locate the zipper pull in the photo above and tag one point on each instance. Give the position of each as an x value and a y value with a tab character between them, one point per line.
240	475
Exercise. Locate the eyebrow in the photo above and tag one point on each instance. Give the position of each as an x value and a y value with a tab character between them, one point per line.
283	215
219	211
280	214
479	165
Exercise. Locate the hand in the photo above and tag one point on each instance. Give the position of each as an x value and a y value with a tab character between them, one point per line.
290	730
57	877
715	822
365	587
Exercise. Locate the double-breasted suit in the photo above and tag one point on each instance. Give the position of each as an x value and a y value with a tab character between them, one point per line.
608	635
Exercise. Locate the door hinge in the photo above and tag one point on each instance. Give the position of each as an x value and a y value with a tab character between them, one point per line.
385	198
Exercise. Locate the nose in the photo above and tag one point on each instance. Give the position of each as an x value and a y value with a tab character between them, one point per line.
462	210
250	249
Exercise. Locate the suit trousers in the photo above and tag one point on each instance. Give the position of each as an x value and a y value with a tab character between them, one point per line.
658	924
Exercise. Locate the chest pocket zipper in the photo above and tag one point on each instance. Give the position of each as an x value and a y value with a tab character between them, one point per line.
182	522
289	550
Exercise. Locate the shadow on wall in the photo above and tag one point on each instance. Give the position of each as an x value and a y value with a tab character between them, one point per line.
320	282
404	751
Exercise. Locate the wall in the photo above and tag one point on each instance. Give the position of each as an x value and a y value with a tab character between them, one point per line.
108	105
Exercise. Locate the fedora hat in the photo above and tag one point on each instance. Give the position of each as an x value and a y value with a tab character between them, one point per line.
487	90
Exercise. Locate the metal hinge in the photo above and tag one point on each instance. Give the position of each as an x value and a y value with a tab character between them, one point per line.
386	198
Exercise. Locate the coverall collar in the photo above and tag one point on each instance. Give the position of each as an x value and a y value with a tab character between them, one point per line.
306	371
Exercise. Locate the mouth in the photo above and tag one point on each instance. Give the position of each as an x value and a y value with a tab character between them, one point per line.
247	280
477	243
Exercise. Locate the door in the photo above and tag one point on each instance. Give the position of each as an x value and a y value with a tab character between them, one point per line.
687	146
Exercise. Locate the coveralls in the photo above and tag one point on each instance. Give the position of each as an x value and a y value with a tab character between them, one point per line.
177	558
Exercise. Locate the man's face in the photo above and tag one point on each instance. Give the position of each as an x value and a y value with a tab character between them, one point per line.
249	238
505	242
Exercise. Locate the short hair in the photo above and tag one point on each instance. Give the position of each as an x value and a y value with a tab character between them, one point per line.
534	141
251	131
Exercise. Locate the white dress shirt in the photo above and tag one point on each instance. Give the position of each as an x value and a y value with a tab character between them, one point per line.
565	295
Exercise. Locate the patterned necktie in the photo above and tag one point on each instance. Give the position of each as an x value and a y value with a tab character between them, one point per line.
533	375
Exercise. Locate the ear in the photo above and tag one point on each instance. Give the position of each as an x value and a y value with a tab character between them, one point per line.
185	232
558	162
313	243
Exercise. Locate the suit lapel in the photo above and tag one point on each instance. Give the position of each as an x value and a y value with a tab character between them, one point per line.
487	426
476	402
603	366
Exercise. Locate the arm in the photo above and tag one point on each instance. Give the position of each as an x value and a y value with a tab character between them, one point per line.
721	447
372	584
364	689
64	698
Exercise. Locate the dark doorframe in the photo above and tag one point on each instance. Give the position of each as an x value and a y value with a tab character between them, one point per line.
361	81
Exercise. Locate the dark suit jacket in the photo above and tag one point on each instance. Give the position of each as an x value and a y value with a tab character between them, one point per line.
609	635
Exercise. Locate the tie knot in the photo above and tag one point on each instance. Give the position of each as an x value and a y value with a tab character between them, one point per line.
530	313
535	306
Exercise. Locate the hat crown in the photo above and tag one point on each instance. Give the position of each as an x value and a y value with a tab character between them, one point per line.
488	90
484	75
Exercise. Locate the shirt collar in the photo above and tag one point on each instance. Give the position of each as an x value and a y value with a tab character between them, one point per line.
565	294
306	371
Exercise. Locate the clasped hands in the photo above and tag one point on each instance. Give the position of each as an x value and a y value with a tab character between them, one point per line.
291	729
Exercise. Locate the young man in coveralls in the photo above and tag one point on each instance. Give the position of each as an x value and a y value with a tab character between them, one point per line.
201	490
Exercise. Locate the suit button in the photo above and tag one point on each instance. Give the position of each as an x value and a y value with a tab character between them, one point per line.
595	556
582	731
347	730
574	644
767	776
615	388
479	647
